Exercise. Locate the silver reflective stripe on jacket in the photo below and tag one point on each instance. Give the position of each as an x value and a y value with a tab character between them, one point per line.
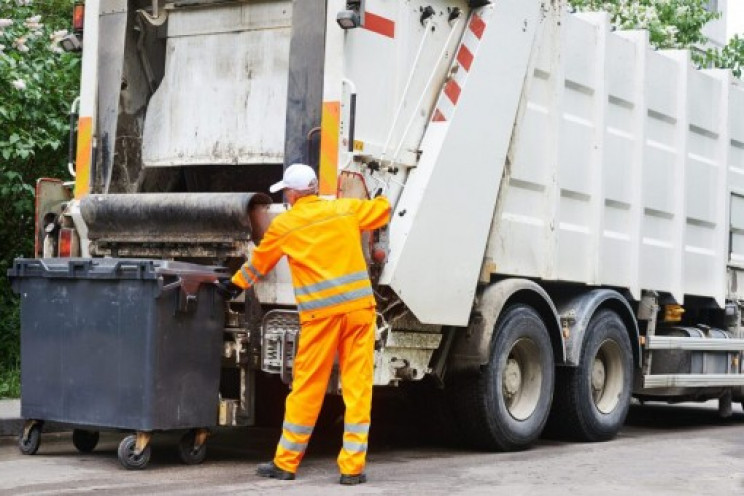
331	283
352	295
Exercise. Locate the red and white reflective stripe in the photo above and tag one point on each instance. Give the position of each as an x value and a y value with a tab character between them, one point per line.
378	24
466	53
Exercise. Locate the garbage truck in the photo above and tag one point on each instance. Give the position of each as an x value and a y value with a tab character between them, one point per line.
568	203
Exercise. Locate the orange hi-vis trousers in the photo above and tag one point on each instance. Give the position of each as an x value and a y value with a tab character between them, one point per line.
352	335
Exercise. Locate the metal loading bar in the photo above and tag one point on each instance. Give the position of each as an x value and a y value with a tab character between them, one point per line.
693	344
175	217
692	380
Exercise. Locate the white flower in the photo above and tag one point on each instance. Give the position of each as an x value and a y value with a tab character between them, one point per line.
33	22
20	44
57	36
4	23
2	47
23	3
19	84
56	48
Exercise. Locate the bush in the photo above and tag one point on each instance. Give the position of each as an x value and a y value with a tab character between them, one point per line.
38	82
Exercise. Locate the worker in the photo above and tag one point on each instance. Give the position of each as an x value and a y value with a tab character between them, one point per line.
322	242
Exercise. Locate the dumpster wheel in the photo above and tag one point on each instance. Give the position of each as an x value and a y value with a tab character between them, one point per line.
30	437
85	441
192	449
134	451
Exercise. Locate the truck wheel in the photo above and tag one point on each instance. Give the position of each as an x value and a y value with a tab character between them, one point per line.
85	441
506	404
30	445
592	400
128	459
186	451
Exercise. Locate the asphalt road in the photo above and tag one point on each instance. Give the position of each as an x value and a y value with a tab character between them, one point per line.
663	450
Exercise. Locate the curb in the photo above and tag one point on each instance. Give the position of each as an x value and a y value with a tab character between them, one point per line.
11	422
12	427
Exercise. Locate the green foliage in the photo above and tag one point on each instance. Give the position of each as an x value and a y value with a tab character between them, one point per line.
730	57
38	82
10	382
672	24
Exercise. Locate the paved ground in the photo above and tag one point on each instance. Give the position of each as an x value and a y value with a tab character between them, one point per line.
664	450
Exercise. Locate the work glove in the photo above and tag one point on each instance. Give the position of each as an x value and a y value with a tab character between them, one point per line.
228	289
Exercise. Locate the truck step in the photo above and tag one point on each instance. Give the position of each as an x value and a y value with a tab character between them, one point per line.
699	344
692	380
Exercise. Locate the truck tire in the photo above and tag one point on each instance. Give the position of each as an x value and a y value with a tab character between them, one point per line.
592	400
506	404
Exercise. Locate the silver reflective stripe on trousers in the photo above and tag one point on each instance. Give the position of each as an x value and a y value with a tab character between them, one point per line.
297	428
335	299
357	428
289	445
355	447
331	283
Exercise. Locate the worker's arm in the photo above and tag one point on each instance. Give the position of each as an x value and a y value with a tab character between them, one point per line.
372	214
265	257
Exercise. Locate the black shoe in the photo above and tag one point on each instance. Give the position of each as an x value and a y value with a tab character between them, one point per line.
353	480
268	469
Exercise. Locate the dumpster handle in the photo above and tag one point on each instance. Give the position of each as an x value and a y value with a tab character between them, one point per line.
30	263
170	286
140	267
77	264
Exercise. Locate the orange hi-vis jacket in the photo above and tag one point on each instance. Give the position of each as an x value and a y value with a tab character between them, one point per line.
322	241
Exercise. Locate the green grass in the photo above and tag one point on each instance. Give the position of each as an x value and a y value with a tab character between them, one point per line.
10	383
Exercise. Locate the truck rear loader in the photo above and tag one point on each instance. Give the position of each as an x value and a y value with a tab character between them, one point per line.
568	224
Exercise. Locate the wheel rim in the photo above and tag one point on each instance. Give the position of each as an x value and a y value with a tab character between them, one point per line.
606	380
133	458
522	379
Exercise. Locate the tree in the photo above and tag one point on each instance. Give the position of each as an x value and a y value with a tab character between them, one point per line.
672	24
38	82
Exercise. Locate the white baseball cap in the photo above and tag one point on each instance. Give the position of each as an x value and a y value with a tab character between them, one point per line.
297	176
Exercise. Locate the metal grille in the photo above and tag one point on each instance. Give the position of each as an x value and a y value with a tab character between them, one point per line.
280	333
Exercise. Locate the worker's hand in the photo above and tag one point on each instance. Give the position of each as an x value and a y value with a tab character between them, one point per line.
228	289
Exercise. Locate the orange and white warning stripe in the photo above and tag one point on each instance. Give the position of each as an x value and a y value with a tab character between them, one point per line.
466	53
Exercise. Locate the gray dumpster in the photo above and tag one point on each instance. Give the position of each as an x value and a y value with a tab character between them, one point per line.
119	344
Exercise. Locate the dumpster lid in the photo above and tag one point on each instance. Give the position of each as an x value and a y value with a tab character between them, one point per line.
109	268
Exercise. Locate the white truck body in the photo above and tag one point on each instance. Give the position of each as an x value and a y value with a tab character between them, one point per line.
623	163
568	202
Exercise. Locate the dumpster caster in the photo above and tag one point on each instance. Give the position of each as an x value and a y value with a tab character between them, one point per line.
85	441
193	446
134	451
30	438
